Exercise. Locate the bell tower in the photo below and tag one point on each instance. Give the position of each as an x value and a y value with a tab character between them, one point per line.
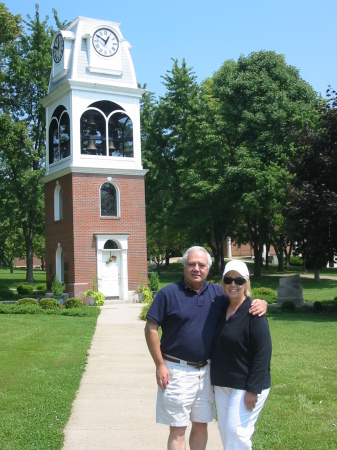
94	183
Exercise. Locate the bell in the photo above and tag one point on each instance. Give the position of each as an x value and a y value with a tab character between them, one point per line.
91	145
111	145
91	120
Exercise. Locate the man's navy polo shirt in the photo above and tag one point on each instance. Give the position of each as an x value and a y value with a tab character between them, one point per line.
187	319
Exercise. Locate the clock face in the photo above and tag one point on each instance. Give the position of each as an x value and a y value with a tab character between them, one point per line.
105	42
58	48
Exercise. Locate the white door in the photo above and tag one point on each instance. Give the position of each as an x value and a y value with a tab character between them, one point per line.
111	273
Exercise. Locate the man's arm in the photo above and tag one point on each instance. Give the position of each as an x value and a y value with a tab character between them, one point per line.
258	307
153	343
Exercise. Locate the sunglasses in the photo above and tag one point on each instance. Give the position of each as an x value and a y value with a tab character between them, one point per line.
239	281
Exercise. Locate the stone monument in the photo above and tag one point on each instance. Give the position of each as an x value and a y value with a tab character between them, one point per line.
290	289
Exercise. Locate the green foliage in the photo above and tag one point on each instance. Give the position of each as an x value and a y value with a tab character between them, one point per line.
147	300
6	294
153	281
57	287
41	287
296	261
27	301
16	309
73	302
25	288
288	306
318	307
265	293
25	73
98	296
49	303
147	296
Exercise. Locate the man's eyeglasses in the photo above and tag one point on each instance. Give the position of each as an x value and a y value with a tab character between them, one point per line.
239	281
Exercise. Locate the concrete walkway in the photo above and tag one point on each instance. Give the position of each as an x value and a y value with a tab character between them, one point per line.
115	405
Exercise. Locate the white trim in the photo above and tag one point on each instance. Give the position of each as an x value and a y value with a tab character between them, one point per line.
122	242
90	170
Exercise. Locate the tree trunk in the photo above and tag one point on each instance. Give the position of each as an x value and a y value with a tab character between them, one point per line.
29	253
316	277
267	256
258	260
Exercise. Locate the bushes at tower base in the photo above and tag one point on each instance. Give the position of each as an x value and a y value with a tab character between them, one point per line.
73	302
49	303
28	301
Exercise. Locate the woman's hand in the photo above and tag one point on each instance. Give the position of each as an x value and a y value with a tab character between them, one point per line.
250	400
258	307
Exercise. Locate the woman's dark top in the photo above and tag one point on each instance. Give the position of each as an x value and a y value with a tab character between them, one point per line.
242	351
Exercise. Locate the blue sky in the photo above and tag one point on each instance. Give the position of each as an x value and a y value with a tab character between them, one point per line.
207	33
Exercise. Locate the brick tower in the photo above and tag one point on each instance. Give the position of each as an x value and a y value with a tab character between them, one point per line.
94	183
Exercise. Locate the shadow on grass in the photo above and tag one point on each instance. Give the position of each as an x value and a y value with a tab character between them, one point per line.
306	314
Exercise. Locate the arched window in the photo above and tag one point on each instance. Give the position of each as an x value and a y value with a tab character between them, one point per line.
109	200
58	215
106	130
110	245
59	135
59	264
121	135
93	133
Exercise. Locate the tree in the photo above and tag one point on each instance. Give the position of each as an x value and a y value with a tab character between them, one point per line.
164	140
25	70
261	99
313	191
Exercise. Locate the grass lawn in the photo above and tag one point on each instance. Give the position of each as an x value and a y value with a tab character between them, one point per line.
11	280
42	358
301	411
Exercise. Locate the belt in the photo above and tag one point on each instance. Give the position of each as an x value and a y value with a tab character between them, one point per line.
197	365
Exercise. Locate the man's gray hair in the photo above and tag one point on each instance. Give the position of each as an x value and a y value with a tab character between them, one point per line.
197	248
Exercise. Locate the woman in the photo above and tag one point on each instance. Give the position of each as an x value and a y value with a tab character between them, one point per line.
240	369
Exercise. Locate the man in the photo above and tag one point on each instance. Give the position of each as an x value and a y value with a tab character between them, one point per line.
187	312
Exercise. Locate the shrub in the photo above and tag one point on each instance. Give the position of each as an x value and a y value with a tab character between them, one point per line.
148	300
57	287
74	302
296	261
288	306
49	303
98	296
27	301
41	287
265	293
6	294
25	288
318	306
147	296
153	281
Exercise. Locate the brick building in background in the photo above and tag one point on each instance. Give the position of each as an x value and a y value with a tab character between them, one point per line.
94	184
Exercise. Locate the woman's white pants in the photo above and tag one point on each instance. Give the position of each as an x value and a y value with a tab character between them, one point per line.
236	423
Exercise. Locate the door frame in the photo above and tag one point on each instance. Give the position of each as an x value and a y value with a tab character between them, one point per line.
121	240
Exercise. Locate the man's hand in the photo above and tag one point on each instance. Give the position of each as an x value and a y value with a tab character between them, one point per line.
163	376
258	307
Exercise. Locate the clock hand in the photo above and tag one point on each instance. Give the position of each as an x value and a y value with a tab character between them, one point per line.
105	42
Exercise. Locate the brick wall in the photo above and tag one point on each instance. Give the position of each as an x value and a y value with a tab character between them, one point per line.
81	220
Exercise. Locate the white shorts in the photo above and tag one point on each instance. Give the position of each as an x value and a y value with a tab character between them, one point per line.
188	397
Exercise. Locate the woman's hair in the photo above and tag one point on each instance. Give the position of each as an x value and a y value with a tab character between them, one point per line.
197	248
